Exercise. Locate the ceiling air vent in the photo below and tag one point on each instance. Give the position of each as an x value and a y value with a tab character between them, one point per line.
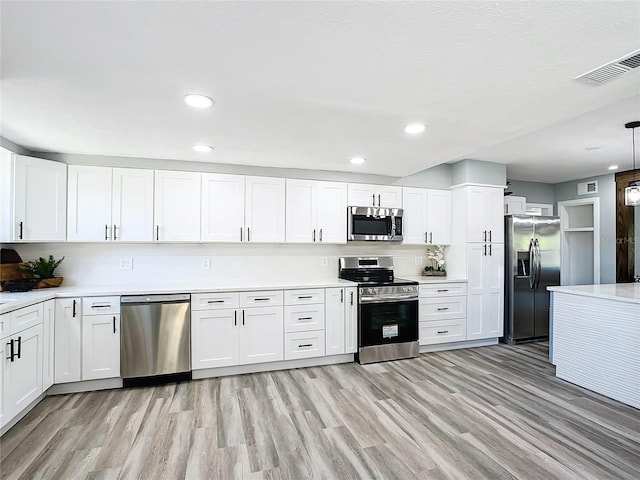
611	70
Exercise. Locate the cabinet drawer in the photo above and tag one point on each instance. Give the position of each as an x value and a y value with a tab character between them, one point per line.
5	325
302	318
261	299
443	331
100	305
214	301
304	297
303	345
26	317
443	308
443	289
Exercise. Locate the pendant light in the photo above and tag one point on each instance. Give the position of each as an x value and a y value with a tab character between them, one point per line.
632	192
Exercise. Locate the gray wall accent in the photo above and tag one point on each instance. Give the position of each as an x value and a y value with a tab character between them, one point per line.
164	164
438	177
534	192
14	147
476	171
607	195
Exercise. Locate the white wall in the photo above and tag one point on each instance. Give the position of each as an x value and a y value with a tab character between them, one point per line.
157	264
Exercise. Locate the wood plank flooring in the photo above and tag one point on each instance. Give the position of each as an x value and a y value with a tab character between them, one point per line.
491	412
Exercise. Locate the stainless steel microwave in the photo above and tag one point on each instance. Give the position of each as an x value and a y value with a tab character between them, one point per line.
374	223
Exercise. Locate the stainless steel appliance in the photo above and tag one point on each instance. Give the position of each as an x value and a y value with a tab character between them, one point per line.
532	263
155	338
374	223
387	309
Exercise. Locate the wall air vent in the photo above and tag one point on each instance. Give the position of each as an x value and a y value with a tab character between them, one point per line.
586	188
612	70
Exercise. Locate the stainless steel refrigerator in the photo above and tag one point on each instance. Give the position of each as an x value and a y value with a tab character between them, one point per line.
532	263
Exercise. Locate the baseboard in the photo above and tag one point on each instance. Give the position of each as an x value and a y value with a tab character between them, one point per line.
485	342
21	415
86	386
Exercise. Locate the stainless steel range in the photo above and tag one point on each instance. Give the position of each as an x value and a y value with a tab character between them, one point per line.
387	309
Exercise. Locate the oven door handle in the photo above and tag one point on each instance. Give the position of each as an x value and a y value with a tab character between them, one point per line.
389	298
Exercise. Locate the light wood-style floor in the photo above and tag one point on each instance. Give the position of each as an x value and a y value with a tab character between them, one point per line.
492	412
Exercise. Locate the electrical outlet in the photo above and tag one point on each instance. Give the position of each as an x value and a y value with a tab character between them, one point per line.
419	260
126	264
325	261
206	263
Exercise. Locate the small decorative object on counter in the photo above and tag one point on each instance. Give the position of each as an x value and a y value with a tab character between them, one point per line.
43	270
435	254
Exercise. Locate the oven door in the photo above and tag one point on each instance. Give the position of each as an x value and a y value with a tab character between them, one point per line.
388	322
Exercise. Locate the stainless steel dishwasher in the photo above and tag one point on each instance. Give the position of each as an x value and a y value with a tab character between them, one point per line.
155	339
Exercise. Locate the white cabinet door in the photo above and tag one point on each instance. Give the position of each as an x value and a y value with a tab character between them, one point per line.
414	220
215	338
351	320
265	209
89	204
40	199
361	195
301	212
494	216
331	207
389	197
177	206
438	217
48	346
100	346
335	327
485	291
222	208
132	205
22	377
68	340
262	335
485	207
3	379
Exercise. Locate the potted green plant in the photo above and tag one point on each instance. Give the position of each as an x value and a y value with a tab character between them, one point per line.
43	269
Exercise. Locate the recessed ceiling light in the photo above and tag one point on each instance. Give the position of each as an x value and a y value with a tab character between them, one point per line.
198	101
414	128
613	167
357	160
202	148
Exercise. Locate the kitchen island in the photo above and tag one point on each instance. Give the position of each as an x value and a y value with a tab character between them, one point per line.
595	338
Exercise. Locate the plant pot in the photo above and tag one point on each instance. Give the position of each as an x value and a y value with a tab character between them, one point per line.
434	273
50	282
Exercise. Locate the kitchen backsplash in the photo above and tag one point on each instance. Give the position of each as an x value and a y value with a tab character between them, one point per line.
154	264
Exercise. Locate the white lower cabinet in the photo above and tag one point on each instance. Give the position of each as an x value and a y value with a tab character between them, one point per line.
442	313
48	344
307	344
261	335
100	346
68	340
341	323
485	299
215	340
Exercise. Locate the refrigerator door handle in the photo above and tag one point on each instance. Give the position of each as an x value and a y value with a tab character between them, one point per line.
532	265
538	262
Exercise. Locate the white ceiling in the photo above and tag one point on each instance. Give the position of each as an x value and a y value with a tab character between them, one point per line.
310	84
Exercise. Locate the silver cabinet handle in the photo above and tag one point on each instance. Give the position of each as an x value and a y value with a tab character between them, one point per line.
157	232
115	232
21	226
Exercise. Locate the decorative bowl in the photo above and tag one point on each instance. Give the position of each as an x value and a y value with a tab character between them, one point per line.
19	284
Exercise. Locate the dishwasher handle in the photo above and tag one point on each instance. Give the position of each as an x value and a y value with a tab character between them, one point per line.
154	298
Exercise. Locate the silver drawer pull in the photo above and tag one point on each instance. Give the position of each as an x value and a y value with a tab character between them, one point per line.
262	299
305	345
108	305
305	297
443	331
305	318
443	290
215	301
443	308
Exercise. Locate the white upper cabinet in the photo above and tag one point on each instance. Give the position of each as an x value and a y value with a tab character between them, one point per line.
265	209
34	198
364	195
107	204
177	206
222	208
132	205
316	212
427	216
485	217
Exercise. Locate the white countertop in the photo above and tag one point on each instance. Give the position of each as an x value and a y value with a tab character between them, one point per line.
10	301
624	292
